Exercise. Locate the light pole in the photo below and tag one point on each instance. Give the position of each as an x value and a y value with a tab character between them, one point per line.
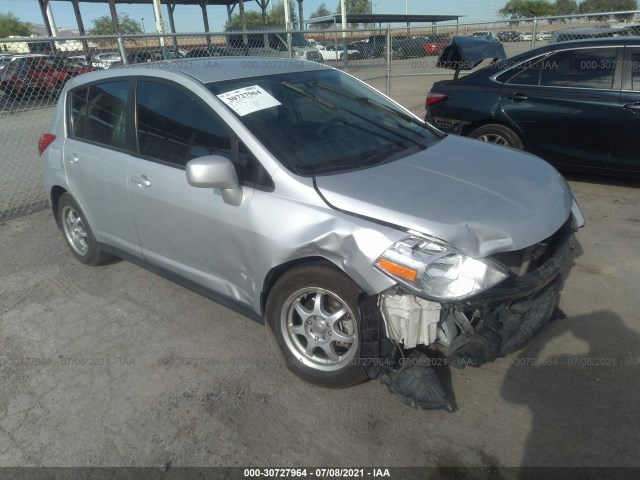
143	29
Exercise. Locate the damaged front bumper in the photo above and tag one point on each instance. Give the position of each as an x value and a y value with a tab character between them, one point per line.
491	324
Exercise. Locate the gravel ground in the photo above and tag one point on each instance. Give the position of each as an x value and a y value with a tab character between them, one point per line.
93	371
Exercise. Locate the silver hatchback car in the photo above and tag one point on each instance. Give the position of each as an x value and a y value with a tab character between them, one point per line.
299	196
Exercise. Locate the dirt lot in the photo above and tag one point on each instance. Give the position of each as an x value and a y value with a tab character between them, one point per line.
94	371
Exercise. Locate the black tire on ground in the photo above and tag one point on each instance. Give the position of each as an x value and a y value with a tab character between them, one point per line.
498	134
78	234
310	310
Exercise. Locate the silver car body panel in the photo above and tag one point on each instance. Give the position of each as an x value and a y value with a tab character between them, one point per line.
451	191
478	200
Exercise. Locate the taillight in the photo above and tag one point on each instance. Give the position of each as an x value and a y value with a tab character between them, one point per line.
45	140
435	97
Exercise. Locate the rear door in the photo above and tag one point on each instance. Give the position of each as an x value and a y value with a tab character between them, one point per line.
626	146
96	158
566	105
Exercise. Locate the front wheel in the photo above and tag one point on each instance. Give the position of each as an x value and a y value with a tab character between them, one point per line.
498	134
313	317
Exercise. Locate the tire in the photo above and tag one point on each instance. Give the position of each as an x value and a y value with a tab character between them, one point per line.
308	334
342	57
498	134
77	233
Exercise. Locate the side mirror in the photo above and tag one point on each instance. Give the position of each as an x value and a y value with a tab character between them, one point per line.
214	171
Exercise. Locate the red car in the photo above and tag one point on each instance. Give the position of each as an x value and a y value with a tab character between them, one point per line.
434	44
42	75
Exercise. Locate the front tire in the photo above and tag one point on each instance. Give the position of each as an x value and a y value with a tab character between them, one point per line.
313	318
498	134
78	234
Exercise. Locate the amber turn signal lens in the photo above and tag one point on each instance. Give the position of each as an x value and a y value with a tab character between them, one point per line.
398	270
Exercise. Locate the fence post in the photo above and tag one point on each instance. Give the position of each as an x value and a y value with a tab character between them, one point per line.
535	31
388	88
123	52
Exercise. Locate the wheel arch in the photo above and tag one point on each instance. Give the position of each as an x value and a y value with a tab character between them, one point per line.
276	272
468	128
56	192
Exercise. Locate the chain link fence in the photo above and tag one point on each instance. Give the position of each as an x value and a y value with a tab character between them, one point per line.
399	61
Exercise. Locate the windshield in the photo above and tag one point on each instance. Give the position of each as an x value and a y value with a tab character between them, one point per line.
322	122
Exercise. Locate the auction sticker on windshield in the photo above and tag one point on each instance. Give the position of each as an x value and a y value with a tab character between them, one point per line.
248	100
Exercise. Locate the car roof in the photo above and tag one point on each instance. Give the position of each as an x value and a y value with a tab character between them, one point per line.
210	69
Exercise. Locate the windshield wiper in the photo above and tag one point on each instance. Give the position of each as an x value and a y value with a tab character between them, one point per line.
313	96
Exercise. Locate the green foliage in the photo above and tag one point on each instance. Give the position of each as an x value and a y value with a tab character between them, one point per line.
566	7
275	18
596	6
252	18
11	25
322	11
104	26
527	9
355	6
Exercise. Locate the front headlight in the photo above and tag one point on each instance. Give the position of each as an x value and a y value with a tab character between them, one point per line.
437	271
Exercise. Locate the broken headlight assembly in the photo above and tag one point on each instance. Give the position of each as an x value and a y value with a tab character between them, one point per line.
436	271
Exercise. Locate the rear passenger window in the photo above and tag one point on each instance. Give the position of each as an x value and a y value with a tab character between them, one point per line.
99	114
582	68
175	127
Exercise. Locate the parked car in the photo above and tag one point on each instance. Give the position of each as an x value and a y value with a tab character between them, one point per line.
433	44
302	197
508	36
271	44
366	49
105	59
542	36
525	37
336	52
206	52
39	75
406	47
567	103
486	36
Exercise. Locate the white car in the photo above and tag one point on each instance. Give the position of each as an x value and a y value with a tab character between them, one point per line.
335	52
526	37
105	60
541	36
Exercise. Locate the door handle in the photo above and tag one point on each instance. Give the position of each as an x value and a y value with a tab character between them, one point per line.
634	107
518	97
142	181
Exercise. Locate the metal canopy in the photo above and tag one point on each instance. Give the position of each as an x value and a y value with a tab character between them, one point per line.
381	18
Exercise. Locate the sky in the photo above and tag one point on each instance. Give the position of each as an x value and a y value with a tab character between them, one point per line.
189	18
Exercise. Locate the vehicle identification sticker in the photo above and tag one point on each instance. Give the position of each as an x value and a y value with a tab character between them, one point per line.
248	100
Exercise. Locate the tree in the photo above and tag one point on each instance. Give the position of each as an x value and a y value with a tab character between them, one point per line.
322	11
566	7
276	16
355	6
104	26
11	25
527	9
252	19
597	6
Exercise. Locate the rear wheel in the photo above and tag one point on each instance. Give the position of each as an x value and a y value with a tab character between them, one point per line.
498	134
313	318
77	233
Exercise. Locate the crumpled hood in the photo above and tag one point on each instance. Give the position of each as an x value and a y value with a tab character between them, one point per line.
478	197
